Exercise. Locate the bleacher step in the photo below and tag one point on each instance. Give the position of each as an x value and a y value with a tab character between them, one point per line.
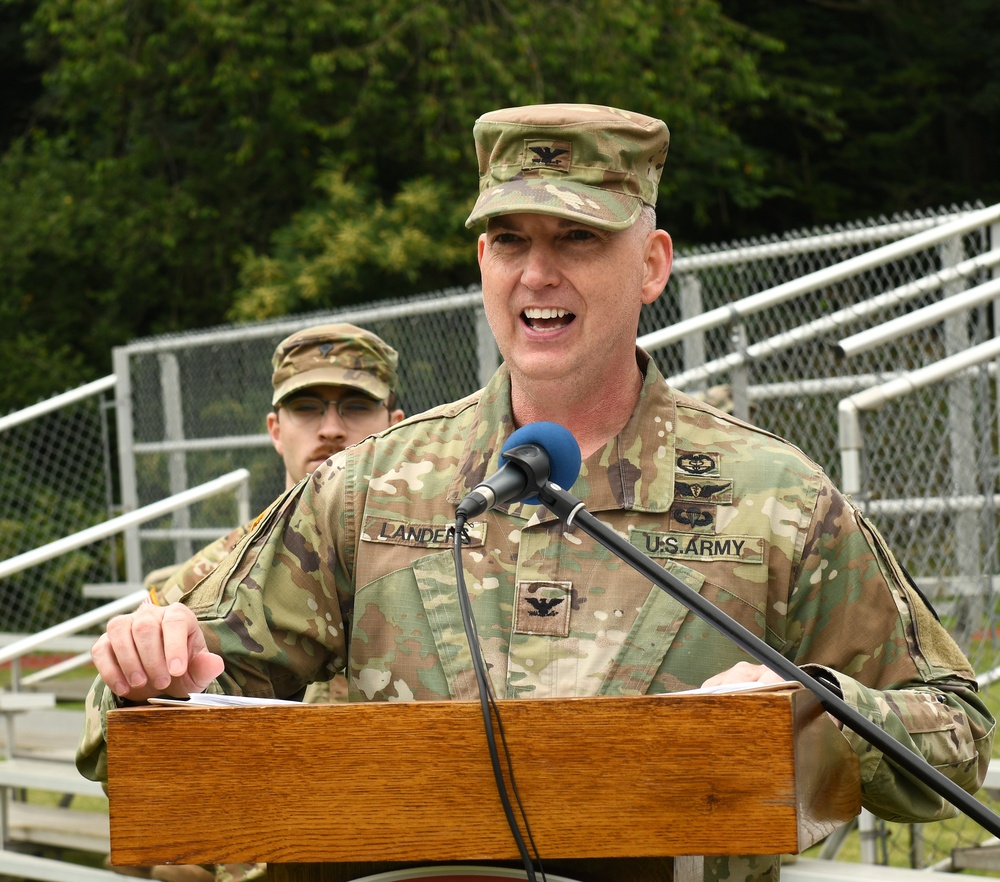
58	827
19	702
28	866
37	774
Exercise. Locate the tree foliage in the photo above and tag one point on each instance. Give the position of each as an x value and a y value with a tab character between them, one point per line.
392	201
170	164
915	88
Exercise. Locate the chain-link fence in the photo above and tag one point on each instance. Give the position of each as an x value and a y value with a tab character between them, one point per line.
55	480
198	402
191	407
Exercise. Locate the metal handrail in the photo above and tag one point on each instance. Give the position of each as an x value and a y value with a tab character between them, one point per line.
118	524
71	626
63	667
724	315
467	297
18	563
919	318
850	409
836	320
56	402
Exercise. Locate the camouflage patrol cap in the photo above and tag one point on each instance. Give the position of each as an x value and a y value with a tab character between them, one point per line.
584	162
334	355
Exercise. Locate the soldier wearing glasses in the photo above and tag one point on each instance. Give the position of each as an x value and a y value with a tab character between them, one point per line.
333	385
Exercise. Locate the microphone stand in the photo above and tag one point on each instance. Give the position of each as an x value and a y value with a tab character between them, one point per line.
571	511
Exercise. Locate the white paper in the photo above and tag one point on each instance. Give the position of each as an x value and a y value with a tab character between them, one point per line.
737	687
211	699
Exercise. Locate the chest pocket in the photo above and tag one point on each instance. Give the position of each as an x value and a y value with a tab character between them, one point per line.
408	641
393	651
438	590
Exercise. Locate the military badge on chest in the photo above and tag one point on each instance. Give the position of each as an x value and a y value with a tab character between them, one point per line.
543	608
698	490
693	532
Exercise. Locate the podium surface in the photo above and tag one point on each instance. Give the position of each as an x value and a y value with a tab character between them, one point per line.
383	785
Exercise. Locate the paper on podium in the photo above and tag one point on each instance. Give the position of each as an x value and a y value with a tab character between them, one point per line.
746	686
213	699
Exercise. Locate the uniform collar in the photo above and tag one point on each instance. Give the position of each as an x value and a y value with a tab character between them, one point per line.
635	470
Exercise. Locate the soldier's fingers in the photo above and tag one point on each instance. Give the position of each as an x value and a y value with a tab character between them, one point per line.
148	636
181	634
204	667
130	658
106	662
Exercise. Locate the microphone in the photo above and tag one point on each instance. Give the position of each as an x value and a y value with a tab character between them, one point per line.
536	454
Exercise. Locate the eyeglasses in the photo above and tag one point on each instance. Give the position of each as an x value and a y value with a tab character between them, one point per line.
307	410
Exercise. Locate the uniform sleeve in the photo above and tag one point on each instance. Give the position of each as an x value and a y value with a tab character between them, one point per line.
274	609
855	613
175	582
91	752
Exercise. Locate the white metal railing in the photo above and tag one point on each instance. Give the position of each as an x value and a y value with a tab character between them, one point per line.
22	647
809	244
70	664
56	402
362	316
237	479
755	303
849	410
920	318
828	323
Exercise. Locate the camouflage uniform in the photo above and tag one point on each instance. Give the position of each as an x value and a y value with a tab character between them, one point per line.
182	579
352	569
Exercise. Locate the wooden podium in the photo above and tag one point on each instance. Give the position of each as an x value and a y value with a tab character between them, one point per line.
612	787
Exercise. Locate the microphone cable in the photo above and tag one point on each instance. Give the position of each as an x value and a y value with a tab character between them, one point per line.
487	702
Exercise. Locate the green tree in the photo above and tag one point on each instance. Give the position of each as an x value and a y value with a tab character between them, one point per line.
915	85
20	83
390	204
189	161
169	135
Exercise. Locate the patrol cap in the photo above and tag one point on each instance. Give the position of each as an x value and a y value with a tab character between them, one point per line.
334	355
584	162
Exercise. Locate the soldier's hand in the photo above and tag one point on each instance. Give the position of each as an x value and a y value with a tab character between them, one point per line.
744	672
157	650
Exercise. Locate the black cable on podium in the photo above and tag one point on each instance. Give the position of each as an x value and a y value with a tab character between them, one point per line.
487	701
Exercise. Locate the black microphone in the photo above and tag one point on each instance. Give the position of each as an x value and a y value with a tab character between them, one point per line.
535	454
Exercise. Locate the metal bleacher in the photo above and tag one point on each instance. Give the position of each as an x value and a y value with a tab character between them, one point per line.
41	835
41	821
